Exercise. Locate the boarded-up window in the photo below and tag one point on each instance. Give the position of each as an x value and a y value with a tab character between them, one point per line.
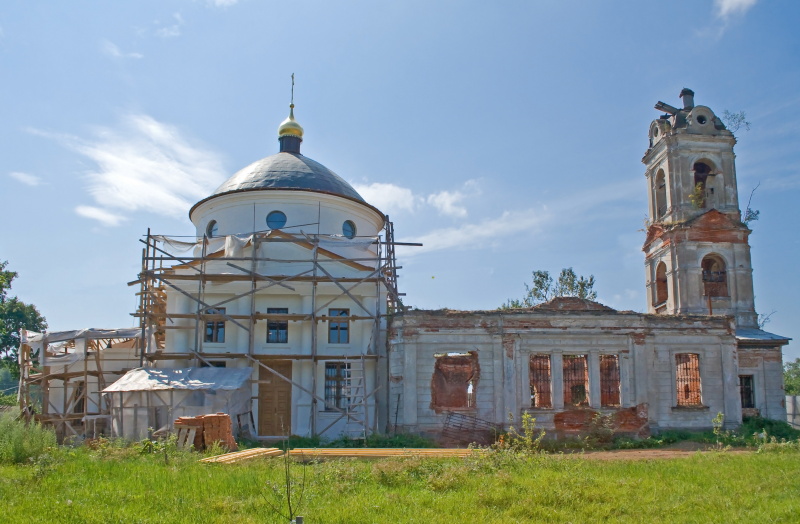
687	378
576	380
539	374
455	379
609	380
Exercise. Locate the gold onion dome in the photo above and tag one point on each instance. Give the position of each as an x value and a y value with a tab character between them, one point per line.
290	127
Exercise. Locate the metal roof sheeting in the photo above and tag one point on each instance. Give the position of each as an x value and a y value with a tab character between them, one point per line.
288	171
210	378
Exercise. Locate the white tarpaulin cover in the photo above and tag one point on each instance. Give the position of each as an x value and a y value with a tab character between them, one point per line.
210	378
57	340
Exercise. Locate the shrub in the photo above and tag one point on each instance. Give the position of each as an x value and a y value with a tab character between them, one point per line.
20	442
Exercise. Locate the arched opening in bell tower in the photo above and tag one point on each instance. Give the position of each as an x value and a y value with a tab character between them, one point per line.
661	194
715	278
701	173
662	291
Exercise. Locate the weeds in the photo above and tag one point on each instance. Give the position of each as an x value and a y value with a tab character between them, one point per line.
525	440
20	442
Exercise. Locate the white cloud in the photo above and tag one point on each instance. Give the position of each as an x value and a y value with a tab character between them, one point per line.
112	50
95	213
726	8
471	236
447	202
222	3
145	165
173	30
389	198
25	178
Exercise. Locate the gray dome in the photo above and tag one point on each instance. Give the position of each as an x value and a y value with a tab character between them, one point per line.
291	171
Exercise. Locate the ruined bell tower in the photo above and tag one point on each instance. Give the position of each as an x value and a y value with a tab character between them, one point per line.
697	255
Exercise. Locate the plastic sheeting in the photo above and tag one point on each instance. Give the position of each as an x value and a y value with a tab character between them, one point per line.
233	245
58	340
210	378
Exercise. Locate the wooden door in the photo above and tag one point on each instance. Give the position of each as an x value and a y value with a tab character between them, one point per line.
275	400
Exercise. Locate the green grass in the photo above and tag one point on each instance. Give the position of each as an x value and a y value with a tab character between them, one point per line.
115	484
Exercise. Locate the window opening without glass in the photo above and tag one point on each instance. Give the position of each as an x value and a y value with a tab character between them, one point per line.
277	330
455	381
747	391
215	329
576	380
687	379
338	330
609	381
539	373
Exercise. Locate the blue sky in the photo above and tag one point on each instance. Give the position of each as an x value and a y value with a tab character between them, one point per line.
506	136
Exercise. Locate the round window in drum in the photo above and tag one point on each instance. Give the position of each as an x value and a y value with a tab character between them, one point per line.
349	229
212	229
276	220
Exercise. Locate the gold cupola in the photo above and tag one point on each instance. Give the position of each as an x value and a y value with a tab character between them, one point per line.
290	127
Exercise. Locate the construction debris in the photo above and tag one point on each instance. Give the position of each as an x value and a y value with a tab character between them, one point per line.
210	429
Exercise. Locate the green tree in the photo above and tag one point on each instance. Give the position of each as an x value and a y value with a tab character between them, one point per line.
791	377
14	315
543	288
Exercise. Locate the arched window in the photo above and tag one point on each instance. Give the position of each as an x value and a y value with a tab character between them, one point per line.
715	278
661	194
701	172
662	292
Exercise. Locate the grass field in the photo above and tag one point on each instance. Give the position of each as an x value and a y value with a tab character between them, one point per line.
125	485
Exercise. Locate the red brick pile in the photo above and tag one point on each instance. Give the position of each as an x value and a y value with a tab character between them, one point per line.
210	429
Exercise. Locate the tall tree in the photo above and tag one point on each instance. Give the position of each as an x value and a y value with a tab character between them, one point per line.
543	288
14	315
791	377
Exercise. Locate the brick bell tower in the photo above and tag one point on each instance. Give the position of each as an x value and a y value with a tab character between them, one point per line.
697	255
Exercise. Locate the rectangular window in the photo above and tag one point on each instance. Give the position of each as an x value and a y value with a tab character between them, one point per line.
455	378
338	330
539	373
748	391
337	385
277	330
687	379
576	380
609	381
215	329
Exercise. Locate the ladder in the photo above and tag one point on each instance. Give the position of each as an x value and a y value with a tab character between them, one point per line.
354	390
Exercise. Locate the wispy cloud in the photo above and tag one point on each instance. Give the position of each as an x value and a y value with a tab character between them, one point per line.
25	178
144	165
171	31
222	3
727	8
449	202
477	235
577	207
103	216
112	50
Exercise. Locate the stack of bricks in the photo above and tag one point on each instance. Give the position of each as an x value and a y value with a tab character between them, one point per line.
210	429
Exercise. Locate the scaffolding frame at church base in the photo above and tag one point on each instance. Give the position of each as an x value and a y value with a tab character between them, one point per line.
163	270
63	373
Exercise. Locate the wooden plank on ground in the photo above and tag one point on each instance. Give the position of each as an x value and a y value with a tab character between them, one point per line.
375	453
238	456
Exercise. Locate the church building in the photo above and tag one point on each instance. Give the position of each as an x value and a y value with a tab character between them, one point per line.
283	311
